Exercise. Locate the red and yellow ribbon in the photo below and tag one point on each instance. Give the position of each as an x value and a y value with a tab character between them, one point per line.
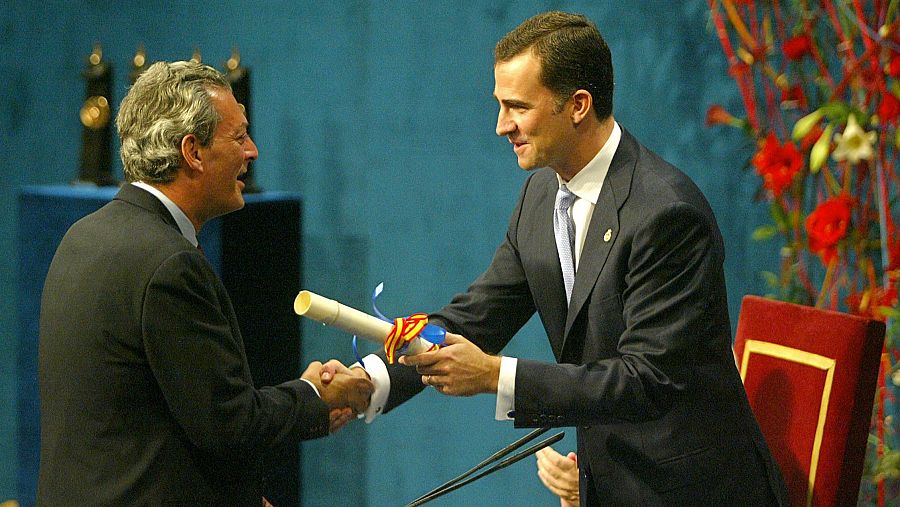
403	332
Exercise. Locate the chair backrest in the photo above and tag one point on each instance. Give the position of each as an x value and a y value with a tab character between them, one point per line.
810	376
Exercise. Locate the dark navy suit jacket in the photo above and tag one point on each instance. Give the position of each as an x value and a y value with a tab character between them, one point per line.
645	367
146	394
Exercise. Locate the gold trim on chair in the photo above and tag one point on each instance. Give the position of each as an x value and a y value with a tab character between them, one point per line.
809	359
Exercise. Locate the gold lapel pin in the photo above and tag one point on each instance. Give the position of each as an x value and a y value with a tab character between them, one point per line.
608	235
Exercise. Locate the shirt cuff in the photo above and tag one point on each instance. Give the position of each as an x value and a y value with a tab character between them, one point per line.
378	373
313	386
506	389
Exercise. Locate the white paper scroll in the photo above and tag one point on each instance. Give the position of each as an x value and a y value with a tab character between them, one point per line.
331	313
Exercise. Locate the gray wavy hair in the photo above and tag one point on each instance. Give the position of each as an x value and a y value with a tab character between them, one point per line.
167	102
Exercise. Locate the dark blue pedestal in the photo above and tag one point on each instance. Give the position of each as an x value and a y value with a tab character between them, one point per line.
256	251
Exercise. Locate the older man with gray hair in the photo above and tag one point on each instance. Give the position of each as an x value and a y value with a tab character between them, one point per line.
146	394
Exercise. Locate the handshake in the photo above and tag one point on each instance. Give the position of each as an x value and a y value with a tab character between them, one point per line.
346	391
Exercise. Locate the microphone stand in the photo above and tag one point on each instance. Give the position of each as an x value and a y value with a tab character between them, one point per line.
465	478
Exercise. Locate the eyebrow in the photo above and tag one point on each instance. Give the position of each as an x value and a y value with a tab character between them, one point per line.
514	103
243	127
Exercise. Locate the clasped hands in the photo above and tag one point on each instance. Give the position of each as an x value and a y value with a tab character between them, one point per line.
458	368
346	391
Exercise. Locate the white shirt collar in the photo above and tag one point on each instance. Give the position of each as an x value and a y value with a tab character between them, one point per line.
589	181
184	223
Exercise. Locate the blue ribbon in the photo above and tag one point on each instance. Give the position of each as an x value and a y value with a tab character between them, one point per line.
431	333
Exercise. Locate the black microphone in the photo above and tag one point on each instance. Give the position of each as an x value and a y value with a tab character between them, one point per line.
464	479
492	458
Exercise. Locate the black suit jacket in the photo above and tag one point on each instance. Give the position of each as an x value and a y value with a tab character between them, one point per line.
146	394
645	368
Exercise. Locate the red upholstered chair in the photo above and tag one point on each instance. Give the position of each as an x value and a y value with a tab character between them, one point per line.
810	376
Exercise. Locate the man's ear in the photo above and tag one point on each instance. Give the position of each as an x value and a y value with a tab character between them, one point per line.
190	152
582	103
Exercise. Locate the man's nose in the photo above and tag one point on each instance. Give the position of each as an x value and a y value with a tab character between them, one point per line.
504	125
251	151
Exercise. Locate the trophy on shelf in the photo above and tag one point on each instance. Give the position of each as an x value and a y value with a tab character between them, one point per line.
239	78
96	134
138	64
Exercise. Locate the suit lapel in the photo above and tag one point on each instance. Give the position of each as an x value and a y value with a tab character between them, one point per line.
551	299
604	227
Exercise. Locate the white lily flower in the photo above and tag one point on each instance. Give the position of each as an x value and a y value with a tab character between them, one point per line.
854	143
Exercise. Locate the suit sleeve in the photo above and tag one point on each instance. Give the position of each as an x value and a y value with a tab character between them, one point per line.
201	368
673	265
499	302
489	313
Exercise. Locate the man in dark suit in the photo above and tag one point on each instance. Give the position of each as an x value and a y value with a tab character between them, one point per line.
620	255
146	394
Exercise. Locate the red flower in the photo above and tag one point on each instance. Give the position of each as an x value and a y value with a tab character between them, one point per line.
717	115
893	253
794	94
893	67
827	225
889	108
777	164
797	47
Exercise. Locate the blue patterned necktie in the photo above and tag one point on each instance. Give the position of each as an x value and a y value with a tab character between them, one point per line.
564	230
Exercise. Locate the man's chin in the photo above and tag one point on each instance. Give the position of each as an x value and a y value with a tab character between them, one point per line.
237	203
527	165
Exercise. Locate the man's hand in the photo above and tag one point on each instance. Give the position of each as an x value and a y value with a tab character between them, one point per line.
339	417
458	368
346	392
560	474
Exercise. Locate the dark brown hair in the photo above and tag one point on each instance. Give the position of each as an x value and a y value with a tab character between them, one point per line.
572	55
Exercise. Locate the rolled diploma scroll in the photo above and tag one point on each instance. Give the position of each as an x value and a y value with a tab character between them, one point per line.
331	313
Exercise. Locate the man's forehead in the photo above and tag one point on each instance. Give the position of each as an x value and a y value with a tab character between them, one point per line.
519	70
517	80
231	112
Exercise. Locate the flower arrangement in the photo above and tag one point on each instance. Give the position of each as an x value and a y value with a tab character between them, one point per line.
820	87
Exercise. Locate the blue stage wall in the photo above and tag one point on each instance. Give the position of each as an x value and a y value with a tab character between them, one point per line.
380	114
